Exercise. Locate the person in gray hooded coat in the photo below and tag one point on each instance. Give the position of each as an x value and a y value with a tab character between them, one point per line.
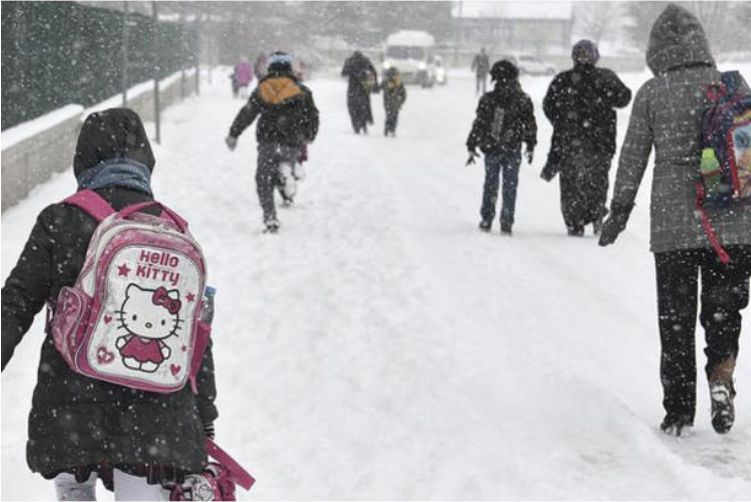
667	114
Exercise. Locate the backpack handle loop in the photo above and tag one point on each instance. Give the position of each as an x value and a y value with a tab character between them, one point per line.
176	219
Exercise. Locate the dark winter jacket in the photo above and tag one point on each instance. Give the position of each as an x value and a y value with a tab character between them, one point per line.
481	64
394	94
667	114
505	118
288	113
580	104
361	75
77	421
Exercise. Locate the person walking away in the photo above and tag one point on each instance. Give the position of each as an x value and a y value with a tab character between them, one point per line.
394	96
481	66
82	428
288	123
243	77
505	119
667	115
362	81
580	104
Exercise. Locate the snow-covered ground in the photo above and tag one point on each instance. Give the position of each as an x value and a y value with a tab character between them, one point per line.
380	347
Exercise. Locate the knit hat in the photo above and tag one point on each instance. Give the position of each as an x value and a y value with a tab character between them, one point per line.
504	71
279	61
585	52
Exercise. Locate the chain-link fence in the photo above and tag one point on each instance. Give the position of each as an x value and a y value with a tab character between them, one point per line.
55	53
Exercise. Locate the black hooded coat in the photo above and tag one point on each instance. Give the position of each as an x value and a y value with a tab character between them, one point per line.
77	423
359	71
580	103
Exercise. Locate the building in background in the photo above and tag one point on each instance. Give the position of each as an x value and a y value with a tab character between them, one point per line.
501	27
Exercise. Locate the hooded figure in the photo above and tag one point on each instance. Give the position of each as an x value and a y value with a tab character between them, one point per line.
580	104
288	122
79	425
667	115
505	119
362	80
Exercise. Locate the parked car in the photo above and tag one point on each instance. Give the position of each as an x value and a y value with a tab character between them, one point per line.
531	65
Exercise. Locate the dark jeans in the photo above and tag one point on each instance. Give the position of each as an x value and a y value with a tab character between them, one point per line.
494	162
392	117
724	293
270	155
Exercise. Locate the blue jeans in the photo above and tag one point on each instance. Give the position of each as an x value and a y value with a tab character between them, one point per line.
510	162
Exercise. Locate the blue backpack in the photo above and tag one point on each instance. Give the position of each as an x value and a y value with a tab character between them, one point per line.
726	152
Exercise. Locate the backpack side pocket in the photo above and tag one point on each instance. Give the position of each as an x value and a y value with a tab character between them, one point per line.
69	322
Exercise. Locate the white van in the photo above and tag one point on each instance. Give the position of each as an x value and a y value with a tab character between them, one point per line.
411	52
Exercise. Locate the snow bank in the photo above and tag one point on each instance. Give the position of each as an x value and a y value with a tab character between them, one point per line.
26	130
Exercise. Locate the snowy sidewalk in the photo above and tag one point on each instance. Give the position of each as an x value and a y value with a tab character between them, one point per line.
381	347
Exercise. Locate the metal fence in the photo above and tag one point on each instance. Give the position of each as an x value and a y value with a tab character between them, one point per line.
55	53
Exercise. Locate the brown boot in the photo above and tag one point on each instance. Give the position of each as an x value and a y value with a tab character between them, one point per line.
722	393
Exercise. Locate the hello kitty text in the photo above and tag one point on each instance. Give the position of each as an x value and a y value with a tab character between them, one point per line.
153	266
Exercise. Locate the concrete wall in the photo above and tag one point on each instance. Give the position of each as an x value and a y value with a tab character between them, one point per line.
32	160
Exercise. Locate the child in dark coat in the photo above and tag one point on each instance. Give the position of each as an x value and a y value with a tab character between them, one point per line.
505	119
394	96
81	428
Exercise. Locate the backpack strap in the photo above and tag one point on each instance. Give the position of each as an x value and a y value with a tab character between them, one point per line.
239	475
707	225
92	203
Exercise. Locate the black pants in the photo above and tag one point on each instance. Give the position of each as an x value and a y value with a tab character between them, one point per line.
392	117
584	188
724	293
270	155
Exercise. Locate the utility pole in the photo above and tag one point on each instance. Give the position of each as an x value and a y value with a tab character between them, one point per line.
156	71
125	55
197	50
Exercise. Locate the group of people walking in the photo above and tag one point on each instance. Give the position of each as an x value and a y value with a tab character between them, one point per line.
362	81
580	103
153	445
667	115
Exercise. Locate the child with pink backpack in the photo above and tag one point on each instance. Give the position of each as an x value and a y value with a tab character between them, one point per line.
125	388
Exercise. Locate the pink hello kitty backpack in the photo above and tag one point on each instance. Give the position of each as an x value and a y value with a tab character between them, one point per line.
133	316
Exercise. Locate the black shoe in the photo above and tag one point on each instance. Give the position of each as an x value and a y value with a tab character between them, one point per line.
485	225
723	411
505	228
674	425
272	227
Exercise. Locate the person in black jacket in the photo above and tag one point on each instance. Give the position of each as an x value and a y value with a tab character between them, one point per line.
394	96
362	80
289	121
79	427
505	119
580	104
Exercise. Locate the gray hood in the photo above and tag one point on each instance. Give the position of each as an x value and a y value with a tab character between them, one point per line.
677	39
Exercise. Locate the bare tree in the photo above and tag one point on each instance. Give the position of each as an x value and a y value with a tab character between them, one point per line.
597	19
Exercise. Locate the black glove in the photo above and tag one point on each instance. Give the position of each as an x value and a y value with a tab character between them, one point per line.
472	156
231	142
615	224
530	154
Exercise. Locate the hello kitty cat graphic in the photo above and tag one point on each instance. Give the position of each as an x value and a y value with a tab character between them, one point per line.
149	316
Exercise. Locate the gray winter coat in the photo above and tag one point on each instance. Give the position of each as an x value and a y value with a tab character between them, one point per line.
667	113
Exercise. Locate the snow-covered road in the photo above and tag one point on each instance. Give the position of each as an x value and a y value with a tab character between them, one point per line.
380	347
